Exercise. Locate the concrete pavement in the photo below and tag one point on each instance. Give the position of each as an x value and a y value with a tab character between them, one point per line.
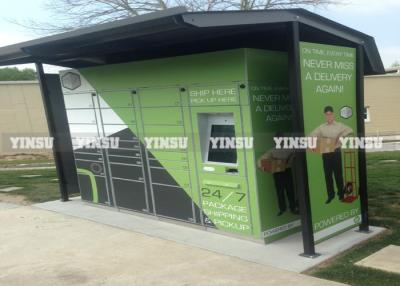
283	253
40	247
386	259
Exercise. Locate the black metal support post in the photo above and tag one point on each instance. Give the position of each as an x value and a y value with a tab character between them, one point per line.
362	167
50	116
300	163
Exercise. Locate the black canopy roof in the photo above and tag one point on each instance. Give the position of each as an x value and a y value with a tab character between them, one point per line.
177	32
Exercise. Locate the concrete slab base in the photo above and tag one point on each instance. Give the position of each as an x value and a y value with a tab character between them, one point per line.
386	259
284	254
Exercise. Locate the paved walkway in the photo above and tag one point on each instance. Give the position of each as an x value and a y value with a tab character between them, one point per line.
283	254
40	247
386	259
6	206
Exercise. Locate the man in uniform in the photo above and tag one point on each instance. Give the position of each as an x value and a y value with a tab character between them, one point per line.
332	161
283	180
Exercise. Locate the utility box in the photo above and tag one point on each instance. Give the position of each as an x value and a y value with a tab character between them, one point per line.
180	138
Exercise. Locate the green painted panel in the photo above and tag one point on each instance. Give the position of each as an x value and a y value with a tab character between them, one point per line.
134	129
191	155
223	184
116	99
162	116
151	97
221	66
182	177
163	131
174	165
112	129
251	170
170	156
127	115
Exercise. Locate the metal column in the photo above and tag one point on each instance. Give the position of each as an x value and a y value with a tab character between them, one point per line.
362	167
50	116
300	163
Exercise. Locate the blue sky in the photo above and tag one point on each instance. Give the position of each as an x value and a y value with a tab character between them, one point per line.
380	19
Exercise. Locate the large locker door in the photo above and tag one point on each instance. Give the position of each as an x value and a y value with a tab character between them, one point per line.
125	160
161	116
88	152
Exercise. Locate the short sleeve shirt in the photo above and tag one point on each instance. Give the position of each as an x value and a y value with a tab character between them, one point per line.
333	130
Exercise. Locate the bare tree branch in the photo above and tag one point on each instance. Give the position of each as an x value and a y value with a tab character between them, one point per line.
66	15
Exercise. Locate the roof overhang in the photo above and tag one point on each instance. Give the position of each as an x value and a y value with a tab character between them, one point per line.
176	32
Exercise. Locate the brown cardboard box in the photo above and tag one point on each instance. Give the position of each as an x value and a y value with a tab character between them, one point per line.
325	145
273	165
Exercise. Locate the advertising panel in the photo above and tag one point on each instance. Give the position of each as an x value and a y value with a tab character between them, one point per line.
328	78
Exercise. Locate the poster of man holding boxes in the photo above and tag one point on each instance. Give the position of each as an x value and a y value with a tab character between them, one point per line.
279	163
329	145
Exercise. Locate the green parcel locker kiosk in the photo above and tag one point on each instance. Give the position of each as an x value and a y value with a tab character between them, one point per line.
164	114
180	115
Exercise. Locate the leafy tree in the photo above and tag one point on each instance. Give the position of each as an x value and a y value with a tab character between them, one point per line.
14	74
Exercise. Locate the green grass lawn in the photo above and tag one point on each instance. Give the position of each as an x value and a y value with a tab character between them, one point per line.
35	190
384	210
